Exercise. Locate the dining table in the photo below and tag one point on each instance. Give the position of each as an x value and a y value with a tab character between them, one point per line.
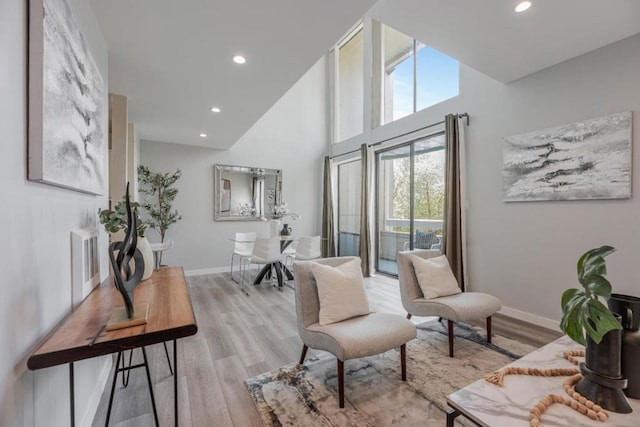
279	267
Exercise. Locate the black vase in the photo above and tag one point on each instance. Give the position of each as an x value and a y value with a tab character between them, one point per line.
286	230
629	309
602	381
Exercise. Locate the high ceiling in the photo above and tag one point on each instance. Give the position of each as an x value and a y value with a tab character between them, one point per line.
489	36
173	59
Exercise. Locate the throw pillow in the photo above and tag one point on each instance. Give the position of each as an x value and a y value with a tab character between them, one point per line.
435	277
424	239
340	291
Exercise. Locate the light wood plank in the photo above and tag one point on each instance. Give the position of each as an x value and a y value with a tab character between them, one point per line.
206	399
239	402
246	346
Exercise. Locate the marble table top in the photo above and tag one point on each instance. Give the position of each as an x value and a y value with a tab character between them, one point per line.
490	405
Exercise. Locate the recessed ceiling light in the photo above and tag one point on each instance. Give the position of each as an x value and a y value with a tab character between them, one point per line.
215	109
238	59
203	135
522	6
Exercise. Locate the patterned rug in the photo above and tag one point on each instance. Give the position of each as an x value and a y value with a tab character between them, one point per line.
307	395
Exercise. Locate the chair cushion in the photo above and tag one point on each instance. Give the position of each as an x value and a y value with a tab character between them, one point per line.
459	307
435	277
340	291
361	336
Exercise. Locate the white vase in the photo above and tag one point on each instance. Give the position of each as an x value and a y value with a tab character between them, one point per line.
275	227
147	255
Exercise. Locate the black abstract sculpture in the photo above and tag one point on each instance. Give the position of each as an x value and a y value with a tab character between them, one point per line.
125	279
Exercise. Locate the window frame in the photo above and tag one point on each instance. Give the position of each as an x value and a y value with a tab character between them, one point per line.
335	80
378	86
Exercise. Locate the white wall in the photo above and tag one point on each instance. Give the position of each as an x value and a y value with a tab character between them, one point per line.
292	136
35	264
526	253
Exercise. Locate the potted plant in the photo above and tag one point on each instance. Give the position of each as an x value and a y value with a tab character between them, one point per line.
115	220
588	321
161	192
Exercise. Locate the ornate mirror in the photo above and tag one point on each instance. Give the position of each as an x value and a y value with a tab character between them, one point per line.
245	193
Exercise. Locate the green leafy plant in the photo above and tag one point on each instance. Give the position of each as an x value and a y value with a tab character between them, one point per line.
115	219
160	191
583	310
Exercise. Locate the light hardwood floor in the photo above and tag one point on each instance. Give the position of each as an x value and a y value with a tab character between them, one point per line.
239	337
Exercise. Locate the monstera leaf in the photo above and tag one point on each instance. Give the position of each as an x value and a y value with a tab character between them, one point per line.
583	310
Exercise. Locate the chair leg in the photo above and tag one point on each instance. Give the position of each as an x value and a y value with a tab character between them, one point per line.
231	271
489	329
246	263
341	383
304	354
403	361
450	330
408	316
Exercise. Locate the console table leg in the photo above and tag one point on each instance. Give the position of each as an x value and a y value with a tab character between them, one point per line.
113	387
175	379
72	396
153	399
452	414
166	352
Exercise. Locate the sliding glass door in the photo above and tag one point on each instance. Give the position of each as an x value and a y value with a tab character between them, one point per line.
409	199
349	190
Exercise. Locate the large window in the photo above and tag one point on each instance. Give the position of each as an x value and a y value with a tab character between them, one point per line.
349	86
414	75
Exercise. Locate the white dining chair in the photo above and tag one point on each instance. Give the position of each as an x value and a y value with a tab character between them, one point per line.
243	248
159	248
307	248
266	251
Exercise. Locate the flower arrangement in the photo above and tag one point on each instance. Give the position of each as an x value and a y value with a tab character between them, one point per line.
282	210
245	209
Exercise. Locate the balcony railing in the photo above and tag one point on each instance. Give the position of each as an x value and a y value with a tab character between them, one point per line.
391	242
433	224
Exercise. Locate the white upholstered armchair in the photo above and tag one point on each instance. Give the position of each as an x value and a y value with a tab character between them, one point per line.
455	308
356	337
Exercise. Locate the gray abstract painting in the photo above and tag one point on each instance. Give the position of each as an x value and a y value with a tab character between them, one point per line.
590	159
66	102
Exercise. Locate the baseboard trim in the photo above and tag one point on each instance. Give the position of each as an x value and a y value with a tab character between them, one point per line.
204	271
94	401
530	318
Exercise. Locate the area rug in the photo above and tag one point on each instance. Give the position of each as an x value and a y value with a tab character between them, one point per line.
306	395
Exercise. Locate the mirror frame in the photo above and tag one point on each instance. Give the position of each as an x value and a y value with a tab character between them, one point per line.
253	171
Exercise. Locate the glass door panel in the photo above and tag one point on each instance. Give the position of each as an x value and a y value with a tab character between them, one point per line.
409	199
349	190
428	193
393	206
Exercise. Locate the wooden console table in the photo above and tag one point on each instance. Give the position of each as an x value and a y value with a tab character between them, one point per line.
81	335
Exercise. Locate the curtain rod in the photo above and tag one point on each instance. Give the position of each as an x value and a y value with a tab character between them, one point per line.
460	116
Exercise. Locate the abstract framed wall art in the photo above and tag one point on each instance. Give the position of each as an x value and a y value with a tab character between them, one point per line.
66	102
585	160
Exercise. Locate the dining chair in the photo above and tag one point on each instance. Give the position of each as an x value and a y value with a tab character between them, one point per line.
266	251
243	247
159	248
307	248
